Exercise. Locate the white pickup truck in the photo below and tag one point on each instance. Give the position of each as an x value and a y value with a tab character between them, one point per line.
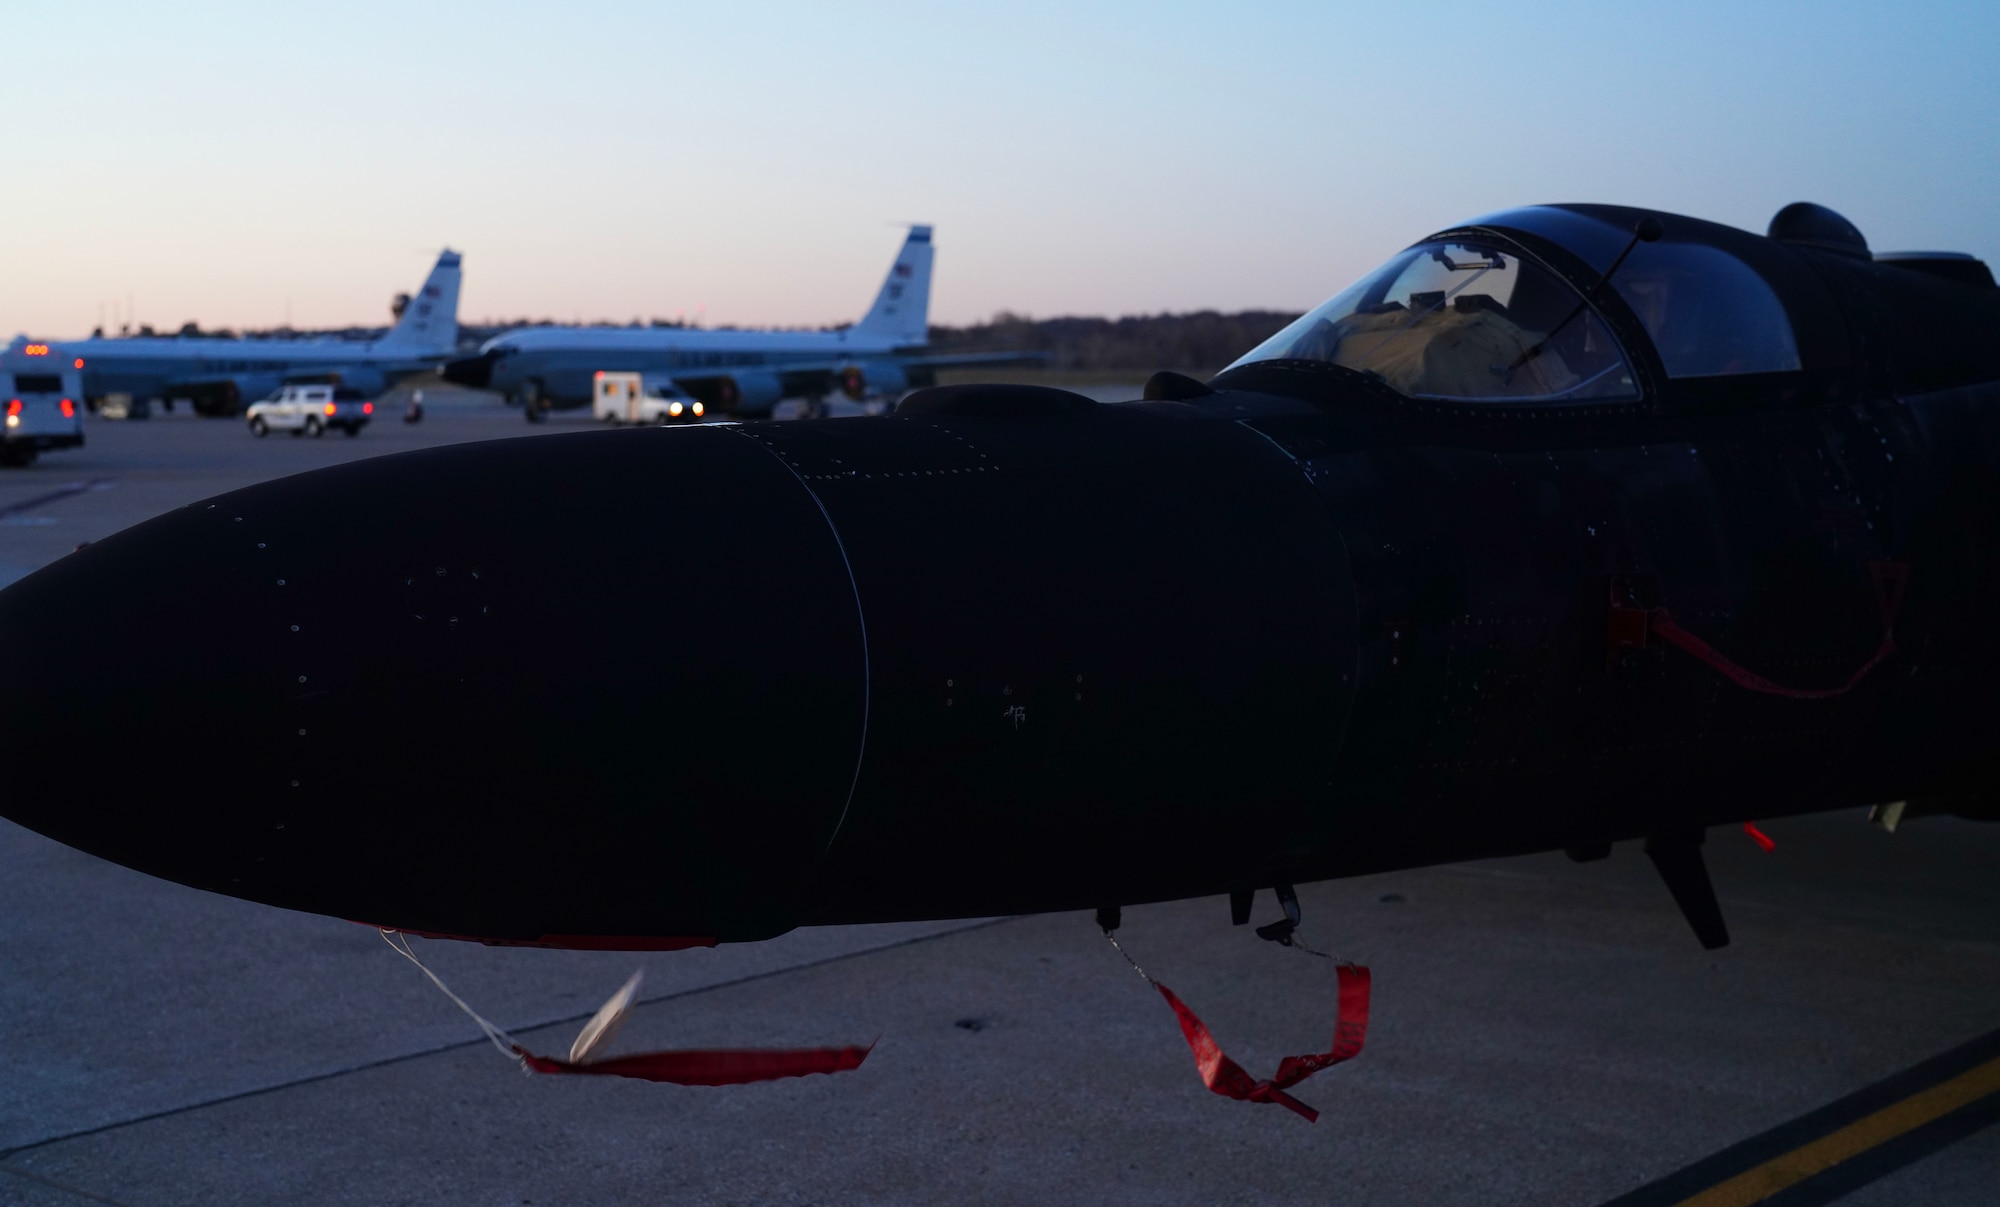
308	410
43	396
630	398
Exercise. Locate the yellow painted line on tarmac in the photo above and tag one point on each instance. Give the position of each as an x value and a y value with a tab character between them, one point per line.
1789	1169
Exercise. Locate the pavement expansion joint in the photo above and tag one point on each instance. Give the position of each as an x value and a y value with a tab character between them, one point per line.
55	496
523	1029
52	1184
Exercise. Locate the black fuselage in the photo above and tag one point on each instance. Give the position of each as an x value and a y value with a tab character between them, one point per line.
1008	650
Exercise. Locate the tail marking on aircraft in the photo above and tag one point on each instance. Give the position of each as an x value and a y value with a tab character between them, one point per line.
902	309
430	322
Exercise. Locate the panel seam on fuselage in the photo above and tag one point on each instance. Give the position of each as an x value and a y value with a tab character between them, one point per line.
861	618
1353	675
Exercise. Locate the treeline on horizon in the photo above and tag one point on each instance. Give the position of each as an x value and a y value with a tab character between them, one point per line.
1199	342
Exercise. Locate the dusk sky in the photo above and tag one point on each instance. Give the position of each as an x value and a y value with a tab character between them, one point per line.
226	162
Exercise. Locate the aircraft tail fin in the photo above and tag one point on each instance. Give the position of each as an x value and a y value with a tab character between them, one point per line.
902	309
429	323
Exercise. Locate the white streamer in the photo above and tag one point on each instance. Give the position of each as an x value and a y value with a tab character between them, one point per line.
499	1039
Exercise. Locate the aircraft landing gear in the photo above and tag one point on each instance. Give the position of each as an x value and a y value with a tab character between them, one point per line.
534	403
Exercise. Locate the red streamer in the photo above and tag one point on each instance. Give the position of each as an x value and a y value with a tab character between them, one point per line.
1227	1078
1759	837
1891	579
721	1066
1675	635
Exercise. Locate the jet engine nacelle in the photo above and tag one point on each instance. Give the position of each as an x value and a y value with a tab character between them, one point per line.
251	388
369	381
225	398
884	377
746	393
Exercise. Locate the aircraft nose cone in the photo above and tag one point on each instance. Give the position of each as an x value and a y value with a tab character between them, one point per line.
498	690
475	372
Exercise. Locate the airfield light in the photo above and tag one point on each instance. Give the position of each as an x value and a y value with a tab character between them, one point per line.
68	409
367	408
37	349
329	408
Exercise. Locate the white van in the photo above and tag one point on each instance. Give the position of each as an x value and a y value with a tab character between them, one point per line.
43	394
630	398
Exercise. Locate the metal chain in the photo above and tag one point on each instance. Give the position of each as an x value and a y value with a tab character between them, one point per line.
1113	940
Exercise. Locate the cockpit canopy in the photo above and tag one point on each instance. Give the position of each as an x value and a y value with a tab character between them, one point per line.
1708	313
1465	321
1461	319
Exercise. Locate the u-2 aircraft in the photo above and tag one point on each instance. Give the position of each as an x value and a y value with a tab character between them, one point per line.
1570	526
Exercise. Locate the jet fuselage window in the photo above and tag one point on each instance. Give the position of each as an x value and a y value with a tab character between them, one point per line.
1463	322
1709	313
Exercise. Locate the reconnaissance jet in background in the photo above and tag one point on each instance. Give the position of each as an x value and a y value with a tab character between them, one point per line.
219	375
744	373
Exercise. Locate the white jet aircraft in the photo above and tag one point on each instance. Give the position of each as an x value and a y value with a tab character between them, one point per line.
221	375
742	373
